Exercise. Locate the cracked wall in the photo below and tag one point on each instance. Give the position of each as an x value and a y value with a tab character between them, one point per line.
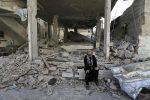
137	19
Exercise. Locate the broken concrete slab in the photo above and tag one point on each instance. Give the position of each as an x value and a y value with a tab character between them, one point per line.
65	55
121	53
123	46
81	74
67	75
113	86
45	51
53	68
45	72
127	61
128	54
133	77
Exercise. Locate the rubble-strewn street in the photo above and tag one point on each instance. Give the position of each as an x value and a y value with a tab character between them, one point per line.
59	71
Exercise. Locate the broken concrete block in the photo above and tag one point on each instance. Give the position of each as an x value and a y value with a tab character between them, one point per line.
128	54
117	61
45	51
123	46
40	78
127	61
52	68
65	55
113	86
14	86
81	73
76	76
67	75
45	72
31	80
131	48
108	80
69	71
70	64
21	80
121	53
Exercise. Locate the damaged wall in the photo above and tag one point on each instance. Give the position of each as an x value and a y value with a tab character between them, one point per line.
137	21
144	38
10	38
13	32
133	17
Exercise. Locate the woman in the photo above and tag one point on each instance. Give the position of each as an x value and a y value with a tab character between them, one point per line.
91	69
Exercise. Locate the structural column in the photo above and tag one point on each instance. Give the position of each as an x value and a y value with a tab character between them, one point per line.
52	32
32	29
55	28
107	28
98	32
49	31
65	34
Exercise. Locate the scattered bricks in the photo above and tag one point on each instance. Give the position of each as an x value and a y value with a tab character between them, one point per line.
121	53
128	54
53	68
65	55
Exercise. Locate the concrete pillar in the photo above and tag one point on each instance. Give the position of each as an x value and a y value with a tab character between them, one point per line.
49	31
98	32
32	29
107	28
52	32
93	40
65	34
144	37
55	29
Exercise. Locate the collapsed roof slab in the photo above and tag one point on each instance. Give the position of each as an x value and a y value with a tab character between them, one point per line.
73	12
82	13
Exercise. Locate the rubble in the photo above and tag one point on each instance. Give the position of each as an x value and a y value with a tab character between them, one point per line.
62	67
128	54
67	75
133	77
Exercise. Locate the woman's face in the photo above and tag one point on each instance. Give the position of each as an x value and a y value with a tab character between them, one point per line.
90	52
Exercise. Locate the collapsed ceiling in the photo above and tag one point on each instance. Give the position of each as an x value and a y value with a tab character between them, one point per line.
72	13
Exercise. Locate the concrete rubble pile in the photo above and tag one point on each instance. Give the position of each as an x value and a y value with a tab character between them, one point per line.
59	67
51	70
18	72
133	77
123	50
133	71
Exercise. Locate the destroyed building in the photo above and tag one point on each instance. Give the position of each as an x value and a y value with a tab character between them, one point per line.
43	44
136	21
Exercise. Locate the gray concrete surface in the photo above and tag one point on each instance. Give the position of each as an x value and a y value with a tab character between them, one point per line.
59	94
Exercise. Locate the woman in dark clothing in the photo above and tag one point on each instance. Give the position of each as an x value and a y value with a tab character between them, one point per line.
91	69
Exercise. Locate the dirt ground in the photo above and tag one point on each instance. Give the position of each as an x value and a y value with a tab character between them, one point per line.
59	94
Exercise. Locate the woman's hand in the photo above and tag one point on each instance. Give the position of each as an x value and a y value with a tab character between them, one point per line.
87	71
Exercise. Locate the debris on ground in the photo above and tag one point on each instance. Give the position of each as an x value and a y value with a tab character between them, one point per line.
60	66
133	77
